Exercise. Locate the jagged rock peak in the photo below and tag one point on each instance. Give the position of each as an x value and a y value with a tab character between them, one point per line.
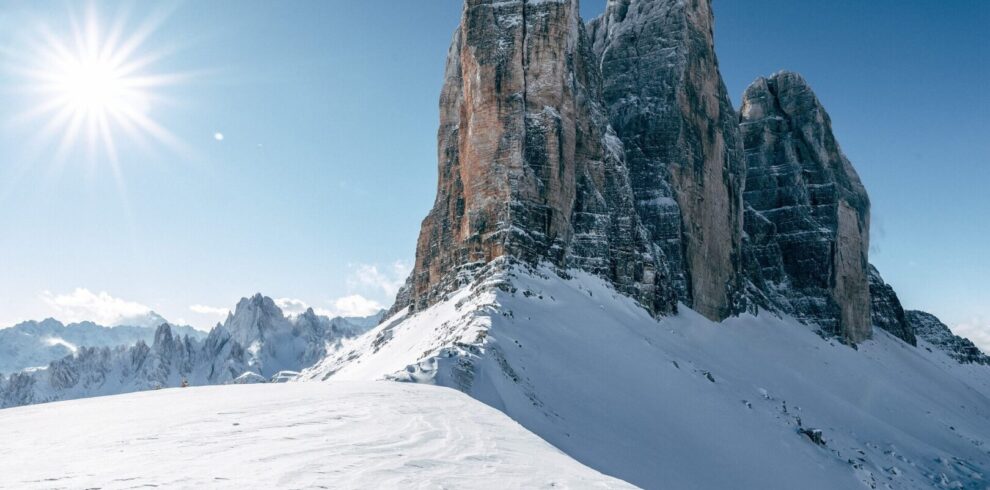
163	335
930	329
254	318
668	103
807	213
528	166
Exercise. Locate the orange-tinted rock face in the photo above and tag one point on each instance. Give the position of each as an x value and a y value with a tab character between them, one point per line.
528	165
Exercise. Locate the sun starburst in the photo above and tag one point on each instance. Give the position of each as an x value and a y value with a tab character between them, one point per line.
92	85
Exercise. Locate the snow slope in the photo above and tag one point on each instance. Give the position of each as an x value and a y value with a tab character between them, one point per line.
314	435
687	403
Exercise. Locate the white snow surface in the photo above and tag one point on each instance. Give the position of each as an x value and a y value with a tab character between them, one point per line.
297	435
685	402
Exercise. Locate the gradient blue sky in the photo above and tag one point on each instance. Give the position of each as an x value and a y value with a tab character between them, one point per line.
328	161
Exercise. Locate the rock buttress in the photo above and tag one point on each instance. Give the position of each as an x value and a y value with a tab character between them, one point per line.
668	103
807	213
528	166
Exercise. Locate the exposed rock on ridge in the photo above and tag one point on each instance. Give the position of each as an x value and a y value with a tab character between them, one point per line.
528	166
886	309
807	213
930	329
668	103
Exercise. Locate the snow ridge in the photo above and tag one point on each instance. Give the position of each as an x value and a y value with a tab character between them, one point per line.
648	401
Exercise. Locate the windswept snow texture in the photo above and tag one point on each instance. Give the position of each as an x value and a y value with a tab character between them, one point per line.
687	403
299	435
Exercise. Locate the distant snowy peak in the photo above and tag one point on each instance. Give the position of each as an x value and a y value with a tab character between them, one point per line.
254	318
257	342
147	320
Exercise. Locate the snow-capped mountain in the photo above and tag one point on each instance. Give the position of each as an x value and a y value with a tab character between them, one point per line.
32	345
661	404
256	343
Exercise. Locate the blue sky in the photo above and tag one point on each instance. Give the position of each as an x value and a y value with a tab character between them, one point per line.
327	165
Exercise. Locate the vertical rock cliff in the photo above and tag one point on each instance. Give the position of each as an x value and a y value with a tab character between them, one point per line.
807	214
616	150
668	103
528	166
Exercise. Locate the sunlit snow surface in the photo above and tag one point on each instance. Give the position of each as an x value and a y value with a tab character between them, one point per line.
298	435
687	403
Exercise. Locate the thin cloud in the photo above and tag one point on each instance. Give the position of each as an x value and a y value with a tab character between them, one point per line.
209	310
102	308
355	305
976	329
292	306
387	280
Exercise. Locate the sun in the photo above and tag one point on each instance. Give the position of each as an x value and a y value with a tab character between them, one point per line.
93	87
92	84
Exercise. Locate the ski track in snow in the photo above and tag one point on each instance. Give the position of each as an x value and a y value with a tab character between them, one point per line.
297	435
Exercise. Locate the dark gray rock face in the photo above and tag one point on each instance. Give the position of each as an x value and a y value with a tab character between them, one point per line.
886	309
667	102
930	329
528	166
807	213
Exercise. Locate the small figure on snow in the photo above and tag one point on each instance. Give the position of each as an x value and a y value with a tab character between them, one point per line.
185	383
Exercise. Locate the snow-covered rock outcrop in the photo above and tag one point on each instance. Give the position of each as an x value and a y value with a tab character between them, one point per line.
256	340
929	328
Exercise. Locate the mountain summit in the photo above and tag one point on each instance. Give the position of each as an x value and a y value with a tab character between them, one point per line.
529	166
614	148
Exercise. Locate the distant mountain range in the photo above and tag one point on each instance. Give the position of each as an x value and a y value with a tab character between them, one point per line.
33	345
49	361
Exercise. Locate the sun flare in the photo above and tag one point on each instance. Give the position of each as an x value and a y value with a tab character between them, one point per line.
91	87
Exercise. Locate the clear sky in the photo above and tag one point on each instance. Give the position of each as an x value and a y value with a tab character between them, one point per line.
291	148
